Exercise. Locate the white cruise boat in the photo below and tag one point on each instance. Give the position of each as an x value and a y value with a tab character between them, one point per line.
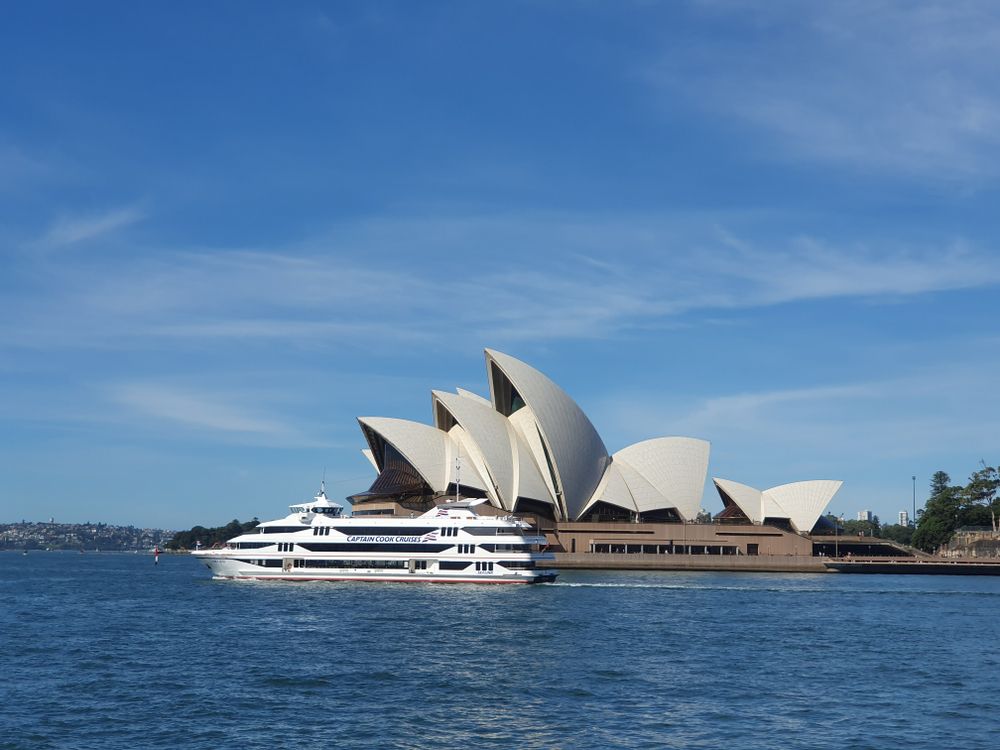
450	543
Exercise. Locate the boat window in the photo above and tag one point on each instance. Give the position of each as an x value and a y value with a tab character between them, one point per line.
518	564
261	563
480	530
353	564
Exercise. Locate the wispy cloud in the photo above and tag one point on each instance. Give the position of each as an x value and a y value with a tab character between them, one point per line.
809	268
18	168
71	230
333	289
908	88
825	425
205	411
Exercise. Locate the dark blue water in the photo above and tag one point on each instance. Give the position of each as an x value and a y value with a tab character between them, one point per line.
108	651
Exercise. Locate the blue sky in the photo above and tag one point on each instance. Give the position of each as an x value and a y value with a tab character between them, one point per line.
228	229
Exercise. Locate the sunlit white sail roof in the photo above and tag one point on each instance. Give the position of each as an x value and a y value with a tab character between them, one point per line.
675	466
576	456
802	503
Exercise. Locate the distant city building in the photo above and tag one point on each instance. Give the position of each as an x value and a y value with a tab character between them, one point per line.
864	515
904	518
53	535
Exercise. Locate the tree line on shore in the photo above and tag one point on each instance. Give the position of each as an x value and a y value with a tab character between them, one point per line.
948	508
199	536
952	507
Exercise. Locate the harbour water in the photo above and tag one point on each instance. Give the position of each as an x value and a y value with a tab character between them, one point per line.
110	651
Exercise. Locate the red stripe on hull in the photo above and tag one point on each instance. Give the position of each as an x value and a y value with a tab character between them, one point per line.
376	580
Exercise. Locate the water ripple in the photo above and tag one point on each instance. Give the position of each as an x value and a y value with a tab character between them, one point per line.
108	651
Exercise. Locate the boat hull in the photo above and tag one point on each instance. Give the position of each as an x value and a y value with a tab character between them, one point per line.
226	568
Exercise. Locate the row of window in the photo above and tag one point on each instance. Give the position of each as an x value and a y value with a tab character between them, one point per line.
492	530
263	563
445	531
507	547
666	549
481	566
286	546
349	563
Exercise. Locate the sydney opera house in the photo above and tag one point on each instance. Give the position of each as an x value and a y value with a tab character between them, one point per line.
531	450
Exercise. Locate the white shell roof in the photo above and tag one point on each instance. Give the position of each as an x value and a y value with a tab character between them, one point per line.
578	454
472	469
528	478
800	502
426	448
487	428
747	498
506	456
645	495
675	466
526	428
804	502
474	396
613	489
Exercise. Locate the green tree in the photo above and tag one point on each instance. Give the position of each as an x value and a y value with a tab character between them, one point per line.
939	483
199	535
867	528
897	533
951	507
983	487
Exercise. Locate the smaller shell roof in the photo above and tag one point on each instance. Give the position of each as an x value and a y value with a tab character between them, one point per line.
425	447
802	503
745	497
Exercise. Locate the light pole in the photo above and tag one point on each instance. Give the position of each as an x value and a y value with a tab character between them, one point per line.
914	477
